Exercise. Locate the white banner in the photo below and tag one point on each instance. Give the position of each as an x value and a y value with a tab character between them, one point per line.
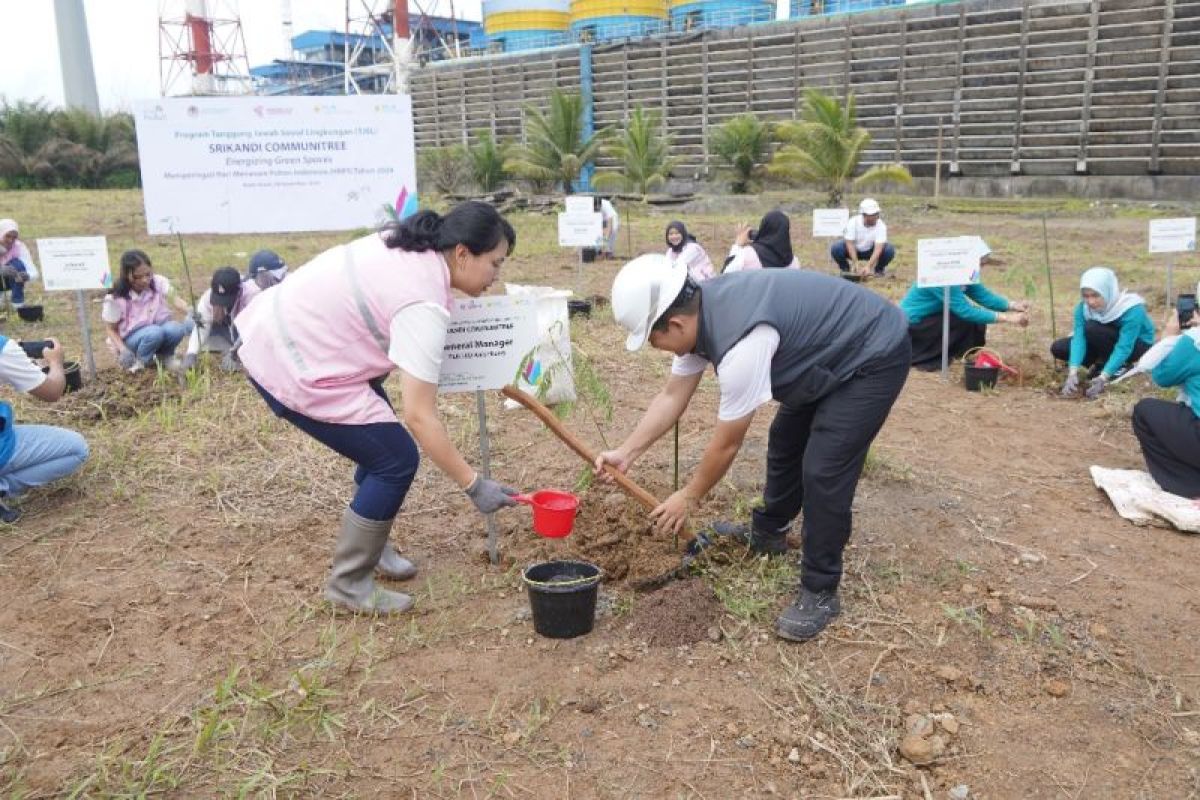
78	262
579	204
829	222
486	340
275	164
948	262
1173	235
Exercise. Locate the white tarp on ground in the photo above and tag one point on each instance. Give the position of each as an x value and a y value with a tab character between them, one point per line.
275	164
1139	499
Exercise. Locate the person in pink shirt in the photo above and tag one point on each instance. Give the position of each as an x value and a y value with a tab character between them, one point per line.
318	347
769	247
683	247
136	311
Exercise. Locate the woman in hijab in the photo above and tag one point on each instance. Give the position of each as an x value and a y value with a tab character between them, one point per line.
16	262
682	248
768	247
972	308
1111	331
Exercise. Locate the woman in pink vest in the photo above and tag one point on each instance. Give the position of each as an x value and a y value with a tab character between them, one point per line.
767	248
319	345
683	248
141	327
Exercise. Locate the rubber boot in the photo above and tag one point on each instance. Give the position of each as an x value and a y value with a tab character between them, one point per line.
395	566
351	581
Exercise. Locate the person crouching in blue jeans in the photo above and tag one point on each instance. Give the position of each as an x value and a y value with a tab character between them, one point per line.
33	455
140	326
16	262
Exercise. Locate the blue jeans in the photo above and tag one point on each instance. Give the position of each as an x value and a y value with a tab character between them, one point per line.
385	453
18	289
158	340
42	454
841	255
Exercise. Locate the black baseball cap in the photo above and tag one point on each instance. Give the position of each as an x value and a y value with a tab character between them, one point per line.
226	285
265	259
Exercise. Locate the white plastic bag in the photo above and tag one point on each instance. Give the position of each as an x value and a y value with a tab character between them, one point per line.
551	361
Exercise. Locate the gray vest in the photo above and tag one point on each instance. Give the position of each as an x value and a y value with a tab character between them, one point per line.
828	328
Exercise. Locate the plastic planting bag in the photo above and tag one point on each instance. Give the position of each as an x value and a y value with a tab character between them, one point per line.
546	371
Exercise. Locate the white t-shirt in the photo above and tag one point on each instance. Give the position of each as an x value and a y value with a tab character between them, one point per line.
609	214
17	370
744	374
865	238
418	335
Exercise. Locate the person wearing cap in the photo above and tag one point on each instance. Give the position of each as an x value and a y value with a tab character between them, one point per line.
217	309
16	262
864	248
267	269
769	247
33	455
972	308
683	248
318	347
835	357
1112	331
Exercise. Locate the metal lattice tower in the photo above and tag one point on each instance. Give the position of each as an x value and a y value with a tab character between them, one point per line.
201	49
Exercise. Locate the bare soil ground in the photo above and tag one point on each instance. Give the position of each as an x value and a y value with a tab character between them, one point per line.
162	633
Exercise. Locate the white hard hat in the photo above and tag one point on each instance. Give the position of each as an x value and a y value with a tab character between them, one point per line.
868	206
642	291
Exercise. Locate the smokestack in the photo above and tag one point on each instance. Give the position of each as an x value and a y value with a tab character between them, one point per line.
75	56
286	14
200	31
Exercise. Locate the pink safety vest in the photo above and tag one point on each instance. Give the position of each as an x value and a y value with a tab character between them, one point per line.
142	309
699	265
315	340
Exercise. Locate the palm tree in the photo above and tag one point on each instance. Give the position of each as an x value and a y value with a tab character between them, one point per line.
643	153
742	143
41	147
556	149
824	148
487	162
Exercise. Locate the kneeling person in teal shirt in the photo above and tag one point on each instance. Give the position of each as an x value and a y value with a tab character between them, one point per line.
1168	432
1111	329
972	308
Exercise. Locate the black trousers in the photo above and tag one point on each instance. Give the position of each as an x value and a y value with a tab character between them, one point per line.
1101	341
815	455
1170	437
926	337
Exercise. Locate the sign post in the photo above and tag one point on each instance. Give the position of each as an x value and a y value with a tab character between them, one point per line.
79	263
829	223
1172	236
579	226
485	343
947	262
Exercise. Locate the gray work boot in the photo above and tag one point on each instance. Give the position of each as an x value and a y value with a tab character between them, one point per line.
395	566
760	542
351	581
808	615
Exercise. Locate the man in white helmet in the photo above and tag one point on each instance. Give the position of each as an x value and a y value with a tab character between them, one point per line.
864	248
834	355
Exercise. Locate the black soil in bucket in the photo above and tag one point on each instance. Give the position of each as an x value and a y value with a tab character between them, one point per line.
73	375
31	313
579	307
562	596
977	378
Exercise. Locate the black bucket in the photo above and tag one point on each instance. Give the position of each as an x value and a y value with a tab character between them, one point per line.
72	374
977	378
589	255
577	308
31	313
562	596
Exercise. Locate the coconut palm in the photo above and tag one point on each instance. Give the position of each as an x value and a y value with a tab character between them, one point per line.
642	151
41	147
742	142
824	147
556	149
487	162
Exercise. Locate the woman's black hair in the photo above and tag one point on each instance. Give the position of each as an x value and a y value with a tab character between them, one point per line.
687	302
683	231
130	261
476	225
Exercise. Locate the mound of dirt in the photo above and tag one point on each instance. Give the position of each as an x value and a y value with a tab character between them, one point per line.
613	533
116	393
680	613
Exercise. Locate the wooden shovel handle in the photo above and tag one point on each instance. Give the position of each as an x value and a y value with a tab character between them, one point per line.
572	441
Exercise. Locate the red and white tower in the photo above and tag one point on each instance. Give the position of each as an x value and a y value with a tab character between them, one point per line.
201	49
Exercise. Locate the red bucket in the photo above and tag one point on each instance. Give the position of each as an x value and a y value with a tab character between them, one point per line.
553	511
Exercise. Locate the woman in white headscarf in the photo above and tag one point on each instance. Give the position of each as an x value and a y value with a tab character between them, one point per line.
16	262
1111	331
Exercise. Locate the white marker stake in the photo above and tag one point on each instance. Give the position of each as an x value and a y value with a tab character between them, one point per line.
946	333
89	359
79	262
946	263
1172	236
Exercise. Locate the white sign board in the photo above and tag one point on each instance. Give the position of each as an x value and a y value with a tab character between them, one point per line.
275	164
486	340
578	205
947	262
78	262
830	222
580	230
1173	235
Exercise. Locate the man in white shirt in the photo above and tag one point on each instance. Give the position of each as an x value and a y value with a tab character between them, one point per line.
611	222
864	248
